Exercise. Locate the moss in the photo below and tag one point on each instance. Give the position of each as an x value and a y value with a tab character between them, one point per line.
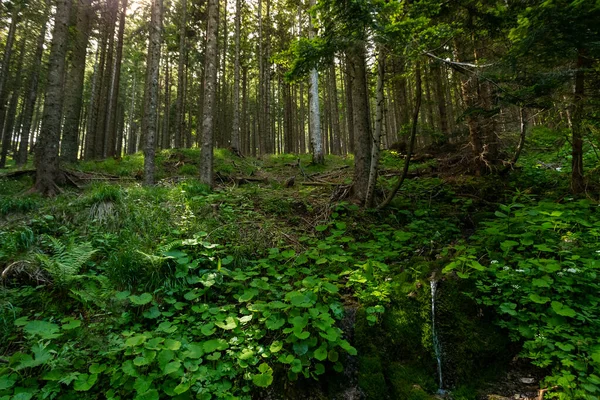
472	345
410	381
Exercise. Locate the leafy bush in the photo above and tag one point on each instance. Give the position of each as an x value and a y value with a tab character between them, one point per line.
538	266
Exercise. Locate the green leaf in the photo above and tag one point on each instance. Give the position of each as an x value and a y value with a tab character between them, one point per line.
135	341
301	334
142	299
321	228
70	323
208	329
330	287
43	329
248	295
129	369
229	324
300	348
194	350
263	380
276	346
171	367
7	381
562	309
346	346
333	356
321	353
182	387
319	369
152	313
538	299
149	395
508	244
508	308
296	365
215	344
85	382
142	384
172	344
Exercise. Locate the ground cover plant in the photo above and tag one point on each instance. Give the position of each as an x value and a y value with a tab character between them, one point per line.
181	291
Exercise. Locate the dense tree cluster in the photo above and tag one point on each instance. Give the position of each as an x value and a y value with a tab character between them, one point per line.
291	76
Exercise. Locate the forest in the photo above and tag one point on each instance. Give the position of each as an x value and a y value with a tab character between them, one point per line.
300	199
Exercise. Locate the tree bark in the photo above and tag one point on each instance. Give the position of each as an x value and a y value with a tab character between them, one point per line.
46	156
210	83
112	125
316	138
180	123
74	85
151	105
235	129
31	96
349	107
12	107
377	136
336	144
577	177
5	72
362	126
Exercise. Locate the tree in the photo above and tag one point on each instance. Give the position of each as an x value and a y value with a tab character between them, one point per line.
32	93
316	139
46	156
151	95
210	83
74	85
235	129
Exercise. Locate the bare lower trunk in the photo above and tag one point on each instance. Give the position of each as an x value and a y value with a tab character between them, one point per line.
151	97
46	157
577	177
74	85
235	129
210	83
362	126
180	123
377	136
31	97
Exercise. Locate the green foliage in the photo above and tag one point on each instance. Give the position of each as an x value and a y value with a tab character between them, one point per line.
537	265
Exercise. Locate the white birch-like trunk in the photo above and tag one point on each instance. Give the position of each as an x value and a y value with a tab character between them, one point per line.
316	139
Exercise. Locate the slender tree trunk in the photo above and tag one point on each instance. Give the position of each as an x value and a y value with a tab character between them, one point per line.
316	139
577	177
5	72
151	97
302	125
245	130
362	126
166	135
31	96
46	157
523	119
180	123
370	197
112	125
235	129
7	139
336	146
436	70
210	83
349	106
131	141
74	85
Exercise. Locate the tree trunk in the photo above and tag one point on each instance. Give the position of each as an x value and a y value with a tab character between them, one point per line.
112	125
180	123
436	70
46	156
131	137
210	83
235	129
316	139
7	139
336	146
74	85
5	72
31	96
577	177
362	127
349	107
377	136
151	97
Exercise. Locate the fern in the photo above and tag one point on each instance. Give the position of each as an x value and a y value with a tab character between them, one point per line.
65	260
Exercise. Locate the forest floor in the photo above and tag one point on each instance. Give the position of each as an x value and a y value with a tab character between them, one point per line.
180	291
